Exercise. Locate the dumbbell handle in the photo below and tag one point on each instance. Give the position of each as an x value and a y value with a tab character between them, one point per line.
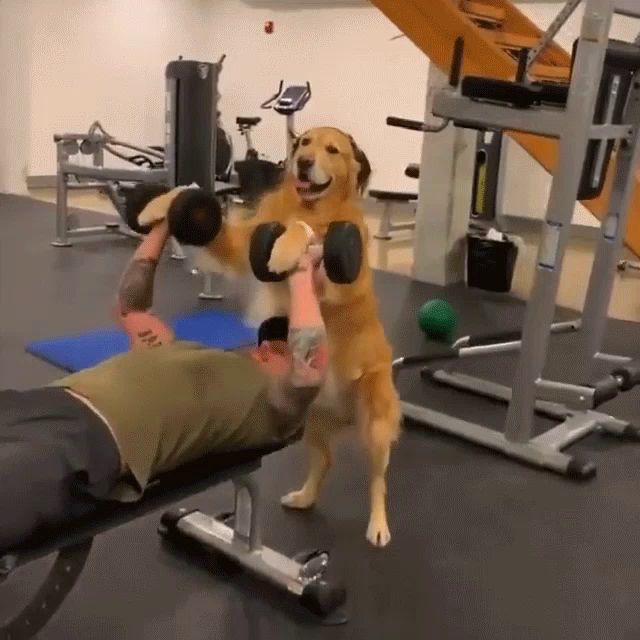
316	252
340	251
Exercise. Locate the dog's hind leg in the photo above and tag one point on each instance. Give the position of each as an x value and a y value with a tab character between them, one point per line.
317	438
379	421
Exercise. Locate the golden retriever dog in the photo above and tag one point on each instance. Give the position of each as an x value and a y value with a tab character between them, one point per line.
326	176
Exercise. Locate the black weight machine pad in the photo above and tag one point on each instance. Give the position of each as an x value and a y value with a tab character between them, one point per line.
393	196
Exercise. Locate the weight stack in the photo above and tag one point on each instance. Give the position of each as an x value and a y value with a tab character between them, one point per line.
486	176
191	122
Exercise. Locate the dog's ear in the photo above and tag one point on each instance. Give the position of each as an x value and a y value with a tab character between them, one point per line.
364	170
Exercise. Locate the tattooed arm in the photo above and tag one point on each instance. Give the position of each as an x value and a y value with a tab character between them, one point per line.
292	394
135	294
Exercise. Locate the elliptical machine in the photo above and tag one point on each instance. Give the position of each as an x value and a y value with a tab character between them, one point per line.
258	175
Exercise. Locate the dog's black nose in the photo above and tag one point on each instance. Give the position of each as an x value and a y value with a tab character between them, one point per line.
304	164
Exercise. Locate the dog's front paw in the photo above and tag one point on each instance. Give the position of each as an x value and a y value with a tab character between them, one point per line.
153	213
298	500
378	532
285	255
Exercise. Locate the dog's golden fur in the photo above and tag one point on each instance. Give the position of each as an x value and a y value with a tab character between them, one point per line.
360	389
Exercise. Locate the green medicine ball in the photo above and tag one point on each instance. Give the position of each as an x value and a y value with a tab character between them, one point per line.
437	319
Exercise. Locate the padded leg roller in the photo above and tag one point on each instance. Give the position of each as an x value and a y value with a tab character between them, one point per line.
237	539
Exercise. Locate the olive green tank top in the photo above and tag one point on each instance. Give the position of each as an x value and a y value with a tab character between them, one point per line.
173	404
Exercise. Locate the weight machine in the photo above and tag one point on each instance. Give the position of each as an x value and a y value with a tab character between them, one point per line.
188	156
591	122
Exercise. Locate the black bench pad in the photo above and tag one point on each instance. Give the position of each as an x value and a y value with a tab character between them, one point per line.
395	196
248	122
169	488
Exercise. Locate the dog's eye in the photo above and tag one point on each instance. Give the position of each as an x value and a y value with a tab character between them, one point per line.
305	142
332	149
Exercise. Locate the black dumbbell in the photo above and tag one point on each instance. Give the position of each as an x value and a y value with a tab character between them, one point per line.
136	198
194	215
341	252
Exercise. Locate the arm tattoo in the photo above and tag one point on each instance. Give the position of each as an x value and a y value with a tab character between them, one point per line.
309	356
149	338
291	395
136	287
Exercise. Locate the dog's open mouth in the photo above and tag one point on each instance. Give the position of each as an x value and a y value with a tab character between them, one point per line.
308	188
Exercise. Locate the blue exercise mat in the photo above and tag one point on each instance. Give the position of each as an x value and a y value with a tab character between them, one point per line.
217	329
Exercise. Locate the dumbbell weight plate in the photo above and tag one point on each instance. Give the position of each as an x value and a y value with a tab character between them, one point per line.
194	217
71	147
343	252
87	147
262	241
136	198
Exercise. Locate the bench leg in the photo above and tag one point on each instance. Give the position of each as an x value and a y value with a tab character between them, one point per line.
384	230
237	537
387	226
62	213
208	292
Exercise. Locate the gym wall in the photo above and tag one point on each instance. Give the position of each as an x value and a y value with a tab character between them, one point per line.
90	59
63	65
14	95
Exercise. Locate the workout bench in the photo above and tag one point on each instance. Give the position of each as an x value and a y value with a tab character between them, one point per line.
389	199
235	536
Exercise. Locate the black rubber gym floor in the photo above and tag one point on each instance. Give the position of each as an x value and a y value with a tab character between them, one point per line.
482	547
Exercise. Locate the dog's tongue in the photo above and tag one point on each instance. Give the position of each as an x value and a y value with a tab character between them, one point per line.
302	184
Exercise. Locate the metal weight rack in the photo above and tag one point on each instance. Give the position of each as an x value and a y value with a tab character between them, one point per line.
584	143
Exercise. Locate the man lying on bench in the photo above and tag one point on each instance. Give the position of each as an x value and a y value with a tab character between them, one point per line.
107	431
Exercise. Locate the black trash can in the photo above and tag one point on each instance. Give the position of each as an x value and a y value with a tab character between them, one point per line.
490	263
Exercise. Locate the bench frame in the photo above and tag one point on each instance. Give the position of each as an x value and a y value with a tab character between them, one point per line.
240	543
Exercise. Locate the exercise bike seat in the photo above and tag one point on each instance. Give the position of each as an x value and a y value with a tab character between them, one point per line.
247	122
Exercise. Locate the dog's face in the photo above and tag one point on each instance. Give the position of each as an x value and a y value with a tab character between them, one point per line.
326	160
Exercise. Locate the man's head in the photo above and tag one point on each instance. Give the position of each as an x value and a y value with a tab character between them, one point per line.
326	160
272	351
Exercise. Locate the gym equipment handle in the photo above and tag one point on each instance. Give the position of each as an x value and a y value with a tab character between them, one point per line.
403	123
446	353
416	125
456	62
267	104
510	335
490	338
308	95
